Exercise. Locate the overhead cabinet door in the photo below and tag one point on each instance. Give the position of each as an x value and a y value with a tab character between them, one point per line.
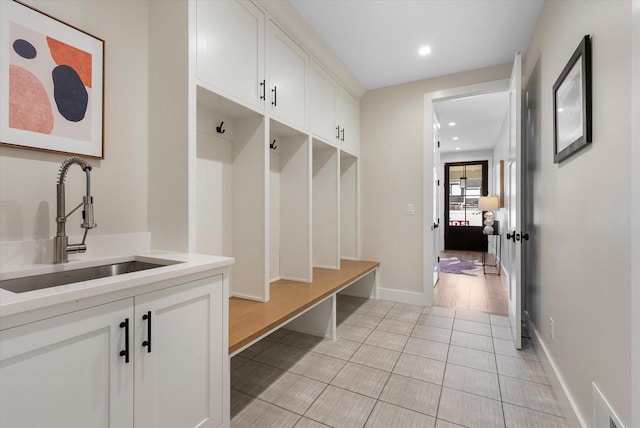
230	49
324	91
349	122
287	68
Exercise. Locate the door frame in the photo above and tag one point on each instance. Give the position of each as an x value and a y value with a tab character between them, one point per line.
428	234
635	204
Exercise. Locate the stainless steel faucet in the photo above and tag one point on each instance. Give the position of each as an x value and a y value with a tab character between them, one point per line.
61	247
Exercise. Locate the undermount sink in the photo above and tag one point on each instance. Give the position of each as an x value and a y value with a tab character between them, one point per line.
38	282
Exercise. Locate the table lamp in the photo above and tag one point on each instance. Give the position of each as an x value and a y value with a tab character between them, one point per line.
489	204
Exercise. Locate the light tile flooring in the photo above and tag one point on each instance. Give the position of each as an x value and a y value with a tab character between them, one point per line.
394	365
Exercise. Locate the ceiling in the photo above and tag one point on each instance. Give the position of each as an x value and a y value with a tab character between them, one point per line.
477	119
378	40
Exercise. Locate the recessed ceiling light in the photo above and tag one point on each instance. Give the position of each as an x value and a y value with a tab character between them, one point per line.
452	124
457	148
424	50
454	138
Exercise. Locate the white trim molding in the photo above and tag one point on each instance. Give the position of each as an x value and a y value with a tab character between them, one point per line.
635	206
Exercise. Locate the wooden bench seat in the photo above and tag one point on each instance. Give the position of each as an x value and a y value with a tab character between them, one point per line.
250	320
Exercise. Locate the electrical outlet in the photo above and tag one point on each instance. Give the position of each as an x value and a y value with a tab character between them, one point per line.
551	328
411	209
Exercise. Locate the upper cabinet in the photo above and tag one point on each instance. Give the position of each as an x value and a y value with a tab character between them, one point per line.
348	112
287	72
323	103
335	114
247	58
230	50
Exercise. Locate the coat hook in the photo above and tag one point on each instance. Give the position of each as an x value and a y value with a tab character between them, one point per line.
273	145
219	128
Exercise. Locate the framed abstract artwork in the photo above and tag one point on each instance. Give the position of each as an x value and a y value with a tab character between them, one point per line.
51	84
572	104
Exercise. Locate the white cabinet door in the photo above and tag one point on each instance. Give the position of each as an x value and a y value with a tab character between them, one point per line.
349	122
287	70
67	371
324	93
230	49
182	374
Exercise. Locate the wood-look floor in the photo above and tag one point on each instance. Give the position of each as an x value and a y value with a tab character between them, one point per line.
486	293
249	320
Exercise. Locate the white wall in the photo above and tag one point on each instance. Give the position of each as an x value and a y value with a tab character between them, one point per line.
392	121
119	182
584	247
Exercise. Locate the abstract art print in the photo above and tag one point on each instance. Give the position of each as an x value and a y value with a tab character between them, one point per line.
51	84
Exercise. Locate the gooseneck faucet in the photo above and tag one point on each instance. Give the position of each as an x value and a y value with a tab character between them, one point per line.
61	247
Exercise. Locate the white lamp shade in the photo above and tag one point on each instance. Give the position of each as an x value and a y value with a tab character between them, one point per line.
488	203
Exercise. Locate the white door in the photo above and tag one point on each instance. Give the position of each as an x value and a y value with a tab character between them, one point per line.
514	203
67	371
437	185
181	374
230	49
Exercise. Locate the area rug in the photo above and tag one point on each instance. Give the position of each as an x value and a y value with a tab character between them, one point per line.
460	267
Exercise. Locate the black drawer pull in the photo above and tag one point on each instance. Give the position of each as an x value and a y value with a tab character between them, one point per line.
147	343
125	352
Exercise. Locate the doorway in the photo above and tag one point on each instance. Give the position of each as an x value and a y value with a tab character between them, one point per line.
465	182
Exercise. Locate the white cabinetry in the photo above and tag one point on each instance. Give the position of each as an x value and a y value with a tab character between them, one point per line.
231	40
349	122
335	114
180	356
72	371
323	103
230	49
287	71
67	371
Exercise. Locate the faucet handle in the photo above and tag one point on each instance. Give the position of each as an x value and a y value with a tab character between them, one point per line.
87	213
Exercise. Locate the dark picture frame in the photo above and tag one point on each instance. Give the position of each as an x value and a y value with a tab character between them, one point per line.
572	104
51	84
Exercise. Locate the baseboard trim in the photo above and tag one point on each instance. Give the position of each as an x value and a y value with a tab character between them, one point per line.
409	297
560	387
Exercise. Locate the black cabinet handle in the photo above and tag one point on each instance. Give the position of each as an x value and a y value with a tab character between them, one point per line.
342	134
125	352
511	236
263	84
525	236
436	225
275	96
338	132
147	343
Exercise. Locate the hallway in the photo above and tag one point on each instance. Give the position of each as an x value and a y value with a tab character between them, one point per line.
394	365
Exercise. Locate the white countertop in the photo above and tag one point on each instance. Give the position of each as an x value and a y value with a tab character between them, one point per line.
178	265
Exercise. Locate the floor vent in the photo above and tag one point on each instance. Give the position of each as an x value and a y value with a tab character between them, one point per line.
603	414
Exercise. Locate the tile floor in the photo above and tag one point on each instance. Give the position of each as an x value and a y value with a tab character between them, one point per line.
394	365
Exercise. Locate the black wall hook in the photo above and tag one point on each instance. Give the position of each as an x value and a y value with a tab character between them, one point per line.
273	145
219	128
